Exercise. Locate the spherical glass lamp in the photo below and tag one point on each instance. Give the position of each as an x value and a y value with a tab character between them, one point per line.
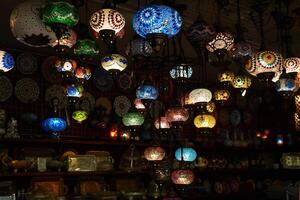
80	116
186	154
162	123
292	65
200	95
241	49
210	107
154	153
133	118
83	73
265	65
241	82
54	125
146	92
139	47
204	121
181	72
286	86
226	77
182	177
156	22
114	63
7	61
66	66
222	41
74	92
221	95
177	115
86	48
60	12
138	104
35	35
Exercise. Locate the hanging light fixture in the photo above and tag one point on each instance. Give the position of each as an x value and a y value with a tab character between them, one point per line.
292	65
162	123
133	118
286	86
107	23
186	154
139	47
242	82
226	77
68	38
66	66
182	177
241	49
221	95
74	92
181	72
156	22
204	122
7	61
86	48
297	102
177	115
154	153
146	92
114	63
222	41
83	73
54	125
80	116
200	96
297	122
37	34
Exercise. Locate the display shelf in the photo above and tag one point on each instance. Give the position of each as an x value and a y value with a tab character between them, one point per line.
70	174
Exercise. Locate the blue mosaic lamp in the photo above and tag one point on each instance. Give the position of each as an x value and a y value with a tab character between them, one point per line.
146	92
54	125
7	61
185	154
156	22
286	86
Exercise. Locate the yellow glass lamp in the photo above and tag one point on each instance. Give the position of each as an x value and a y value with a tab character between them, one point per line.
204	121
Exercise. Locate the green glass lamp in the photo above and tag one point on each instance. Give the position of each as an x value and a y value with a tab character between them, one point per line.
86	48
133	119
61	13
80	116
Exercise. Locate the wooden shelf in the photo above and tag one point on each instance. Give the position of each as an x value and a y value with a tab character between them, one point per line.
92	173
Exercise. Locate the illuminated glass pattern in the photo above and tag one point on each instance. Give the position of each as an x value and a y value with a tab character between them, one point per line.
54	124
147	92
7	61
185	154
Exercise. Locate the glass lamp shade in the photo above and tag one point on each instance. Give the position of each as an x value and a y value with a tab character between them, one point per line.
60	12
297	103
221	95
200	95
221	41
226	77
182	71
292	65
114	62
80	115
146	92
157	19
182	177
133	118
185	154
74	91
139	47
286	85
66	65
210	107
68	38
154	153
265	62
204	121
83	73
86	48
200	33
177	114
7	61
241	82
297	122
162	123
241	49
107	20
54	124
35	35
138	104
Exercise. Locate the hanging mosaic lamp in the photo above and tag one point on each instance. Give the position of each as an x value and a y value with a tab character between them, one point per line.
221	95
139	47
297	122
114	63
204	121
241	82
162	123
35	35
226	77
60	13
66	66
241	49
133	118
80	116
86	48
83	73
200	96
154	153
54	125
182	177
107	23
297	102
138	104
146	92
74	92
181	72
186	154
222	41
7	61
156	22
177	115
286	86
265	65
292	65
67	38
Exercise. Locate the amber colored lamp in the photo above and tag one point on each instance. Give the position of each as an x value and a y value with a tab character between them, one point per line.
154	153
177	114
183	177
162	123
204	121
221	95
